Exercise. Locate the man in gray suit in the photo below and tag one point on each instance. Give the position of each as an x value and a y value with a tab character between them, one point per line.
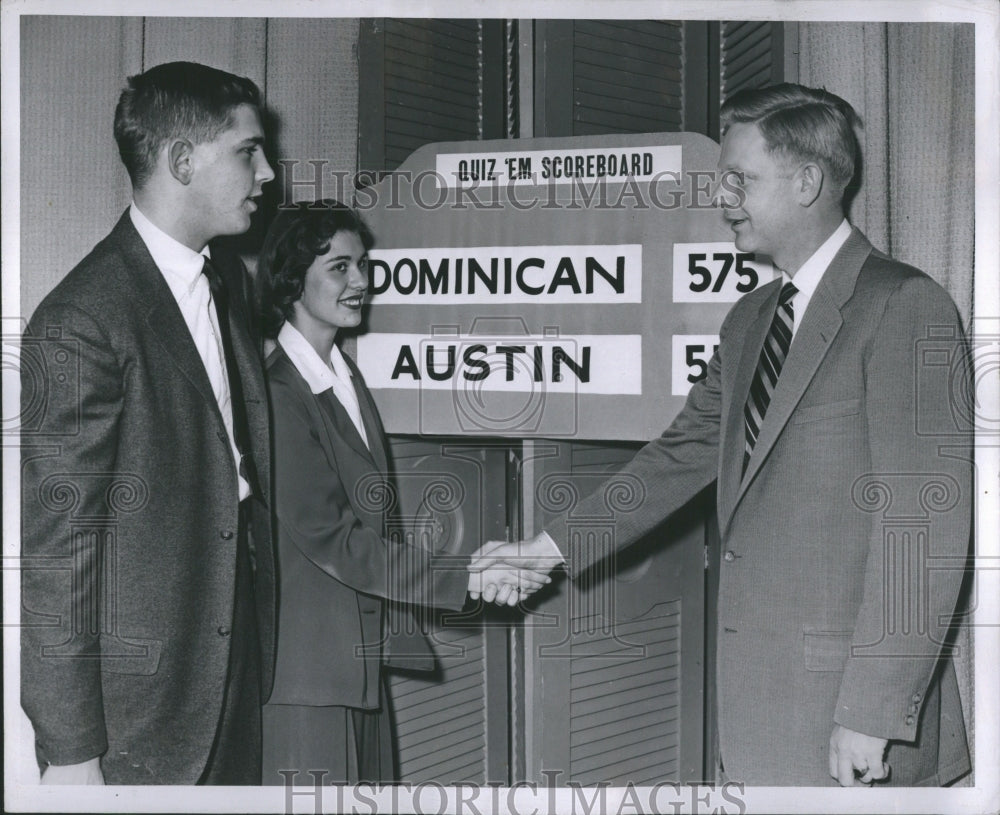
843	481
148	575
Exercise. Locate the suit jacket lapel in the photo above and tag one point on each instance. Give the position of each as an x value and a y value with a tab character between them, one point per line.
811	343
737	383
167	324
820	325
162	314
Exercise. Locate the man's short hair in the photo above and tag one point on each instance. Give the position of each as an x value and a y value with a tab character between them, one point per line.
807	124
175	100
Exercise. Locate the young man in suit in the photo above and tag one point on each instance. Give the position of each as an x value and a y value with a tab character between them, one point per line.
148	576
824	440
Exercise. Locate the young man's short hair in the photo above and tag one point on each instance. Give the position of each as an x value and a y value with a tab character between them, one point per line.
808	124
175	100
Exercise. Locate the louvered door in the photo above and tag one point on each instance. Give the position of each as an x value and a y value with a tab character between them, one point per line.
752	55
608	76
432	84
429	80
614	659
626	76
451	724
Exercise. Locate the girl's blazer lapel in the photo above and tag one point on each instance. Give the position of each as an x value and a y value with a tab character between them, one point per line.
340	429
370	417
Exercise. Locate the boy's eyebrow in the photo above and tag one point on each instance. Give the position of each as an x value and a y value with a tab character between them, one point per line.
253	140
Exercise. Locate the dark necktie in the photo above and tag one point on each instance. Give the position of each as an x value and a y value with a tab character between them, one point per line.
241	426
772	358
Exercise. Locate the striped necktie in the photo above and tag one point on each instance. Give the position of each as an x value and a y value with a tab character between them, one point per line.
772	358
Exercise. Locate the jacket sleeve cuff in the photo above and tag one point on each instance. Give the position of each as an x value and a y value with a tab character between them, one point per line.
896	719
72	752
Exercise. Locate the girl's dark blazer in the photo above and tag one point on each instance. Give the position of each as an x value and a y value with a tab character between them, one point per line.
337	567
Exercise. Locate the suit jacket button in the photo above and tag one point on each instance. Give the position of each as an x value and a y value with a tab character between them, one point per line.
909	720
730	556
226	534
223	631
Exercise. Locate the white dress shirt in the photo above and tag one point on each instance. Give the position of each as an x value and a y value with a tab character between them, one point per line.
321	376
811	272
181	269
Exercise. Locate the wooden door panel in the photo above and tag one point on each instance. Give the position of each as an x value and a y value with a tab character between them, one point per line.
452	723
614	660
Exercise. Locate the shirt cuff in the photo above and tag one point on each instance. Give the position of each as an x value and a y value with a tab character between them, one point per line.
547	539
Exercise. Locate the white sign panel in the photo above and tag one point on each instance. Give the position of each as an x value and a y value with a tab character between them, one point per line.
716	273
526	167
580	364
604	273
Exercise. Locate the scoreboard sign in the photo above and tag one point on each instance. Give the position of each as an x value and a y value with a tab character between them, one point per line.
559	288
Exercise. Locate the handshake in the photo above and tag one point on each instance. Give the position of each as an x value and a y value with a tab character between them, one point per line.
506	573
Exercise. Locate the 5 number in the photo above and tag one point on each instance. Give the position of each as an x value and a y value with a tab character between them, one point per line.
695	359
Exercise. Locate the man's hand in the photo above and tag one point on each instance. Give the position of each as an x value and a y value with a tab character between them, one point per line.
538	554
505	584
531	560
84	773
850	751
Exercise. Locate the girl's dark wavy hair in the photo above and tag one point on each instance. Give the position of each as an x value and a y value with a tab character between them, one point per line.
296	237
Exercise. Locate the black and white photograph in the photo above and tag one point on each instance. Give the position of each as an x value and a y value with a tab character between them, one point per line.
531	408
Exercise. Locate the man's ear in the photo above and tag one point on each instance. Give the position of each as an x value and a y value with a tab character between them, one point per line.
179	160
810	183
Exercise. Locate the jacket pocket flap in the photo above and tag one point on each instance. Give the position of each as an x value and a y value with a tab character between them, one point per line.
826	650
828	410
140	657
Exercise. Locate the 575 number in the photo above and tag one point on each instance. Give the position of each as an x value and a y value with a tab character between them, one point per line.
703	278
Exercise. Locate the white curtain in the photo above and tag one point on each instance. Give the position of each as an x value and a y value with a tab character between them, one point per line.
913	85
